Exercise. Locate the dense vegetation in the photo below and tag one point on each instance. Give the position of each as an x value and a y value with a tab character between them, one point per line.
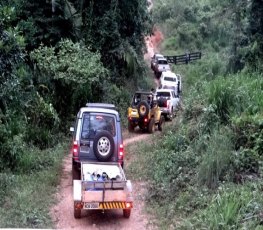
206	172
56	56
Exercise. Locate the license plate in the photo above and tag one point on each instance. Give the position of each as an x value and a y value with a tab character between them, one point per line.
91	205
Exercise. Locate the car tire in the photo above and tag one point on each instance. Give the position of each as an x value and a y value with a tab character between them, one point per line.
151	126
171	115
103	146
143	108
161	123
77	213
126	213
75	172
162	102
130	127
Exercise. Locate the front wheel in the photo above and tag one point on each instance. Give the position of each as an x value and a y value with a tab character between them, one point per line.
126	213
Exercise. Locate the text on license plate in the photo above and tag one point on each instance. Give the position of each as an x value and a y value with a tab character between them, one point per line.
91	205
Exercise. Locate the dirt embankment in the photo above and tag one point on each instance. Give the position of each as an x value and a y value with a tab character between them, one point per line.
153	42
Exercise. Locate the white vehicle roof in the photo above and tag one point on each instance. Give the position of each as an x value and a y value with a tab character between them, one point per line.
164	90
168	74
158	55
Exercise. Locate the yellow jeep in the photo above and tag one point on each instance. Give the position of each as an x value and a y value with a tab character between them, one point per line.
144	112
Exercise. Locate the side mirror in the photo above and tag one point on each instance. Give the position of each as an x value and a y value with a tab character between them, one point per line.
71	129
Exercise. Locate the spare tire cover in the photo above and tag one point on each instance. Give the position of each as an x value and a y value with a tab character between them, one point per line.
162	102
143	108
103	146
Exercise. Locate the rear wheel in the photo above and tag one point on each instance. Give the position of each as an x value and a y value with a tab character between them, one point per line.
161	123
130	127
151	126
126	213
75	172
171	115
77	213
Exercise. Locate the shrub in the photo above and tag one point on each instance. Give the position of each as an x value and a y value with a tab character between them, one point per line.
216	160
233	207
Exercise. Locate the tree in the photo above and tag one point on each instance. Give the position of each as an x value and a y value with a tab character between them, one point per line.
70	68
255	55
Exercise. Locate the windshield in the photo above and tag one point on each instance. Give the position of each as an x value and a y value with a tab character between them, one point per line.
170	79
92	123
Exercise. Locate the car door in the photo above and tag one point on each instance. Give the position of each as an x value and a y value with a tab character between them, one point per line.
175	100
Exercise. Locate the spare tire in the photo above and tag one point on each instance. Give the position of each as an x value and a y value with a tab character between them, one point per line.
162	102
143	108
103	146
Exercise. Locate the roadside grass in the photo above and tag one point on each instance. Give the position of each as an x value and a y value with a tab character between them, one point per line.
26	196
206	172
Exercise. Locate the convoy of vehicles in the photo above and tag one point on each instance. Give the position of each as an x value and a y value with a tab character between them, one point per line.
99	181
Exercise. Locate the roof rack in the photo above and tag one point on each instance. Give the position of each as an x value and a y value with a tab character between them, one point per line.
101	105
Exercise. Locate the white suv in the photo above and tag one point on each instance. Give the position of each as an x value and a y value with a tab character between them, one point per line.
170	80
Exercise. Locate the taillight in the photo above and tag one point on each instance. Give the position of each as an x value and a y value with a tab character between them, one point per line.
75	148
145	120
129	205
165	103
78	205
121	152
168	103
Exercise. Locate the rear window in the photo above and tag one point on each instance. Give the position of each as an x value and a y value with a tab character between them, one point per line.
93	123
163	94
170	79
162	62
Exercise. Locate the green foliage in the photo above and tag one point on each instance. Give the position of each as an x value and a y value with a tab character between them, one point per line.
31	189
255	54
120	98
233	207
73	69
216	159
73	63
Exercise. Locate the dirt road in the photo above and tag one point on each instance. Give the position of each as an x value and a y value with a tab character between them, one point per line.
62	213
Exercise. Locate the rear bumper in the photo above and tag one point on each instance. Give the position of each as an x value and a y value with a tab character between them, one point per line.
77	164
165	110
